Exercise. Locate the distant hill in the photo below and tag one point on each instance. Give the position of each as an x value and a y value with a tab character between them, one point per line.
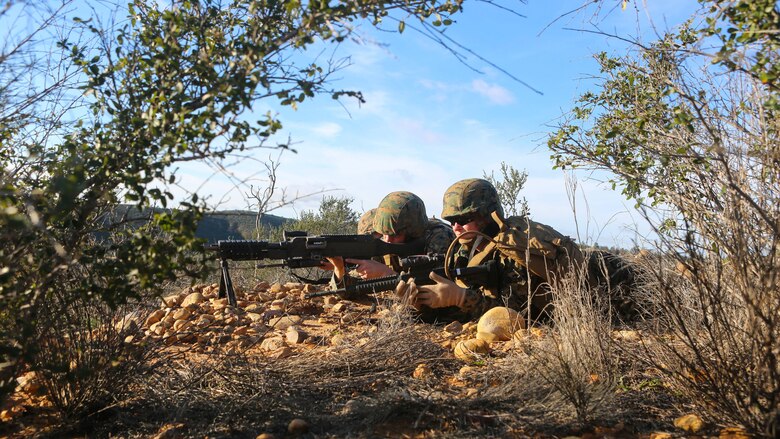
223	224
235	224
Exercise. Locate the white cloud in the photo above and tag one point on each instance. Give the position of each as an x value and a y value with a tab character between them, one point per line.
326	129
495	93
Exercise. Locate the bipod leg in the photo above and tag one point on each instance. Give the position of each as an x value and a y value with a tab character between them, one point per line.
226	285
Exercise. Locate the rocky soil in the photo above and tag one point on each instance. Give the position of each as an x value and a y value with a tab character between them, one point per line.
280	365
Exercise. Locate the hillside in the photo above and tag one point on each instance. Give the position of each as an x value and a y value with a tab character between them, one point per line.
235	224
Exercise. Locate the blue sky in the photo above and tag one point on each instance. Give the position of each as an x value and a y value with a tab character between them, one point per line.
429	120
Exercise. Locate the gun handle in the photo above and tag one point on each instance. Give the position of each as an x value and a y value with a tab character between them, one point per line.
226	285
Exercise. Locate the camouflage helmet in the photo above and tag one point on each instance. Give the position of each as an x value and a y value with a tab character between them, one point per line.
365	224
470	196
401	212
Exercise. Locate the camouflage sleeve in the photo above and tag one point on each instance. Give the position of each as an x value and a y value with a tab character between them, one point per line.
438	236
477	303
513	292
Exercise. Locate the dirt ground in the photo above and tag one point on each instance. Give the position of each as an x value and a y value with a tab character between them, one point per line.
280	365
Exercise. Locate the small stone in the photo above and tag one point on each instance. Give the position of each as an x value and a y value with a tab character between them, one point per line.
454	328
266	436
182	314
171	301
733	433
131	322
255	317
261	286
193	299
422	371
295	335
309	288
285	322
350	317
660	435
337	340
298	426
276	288
340	307
181	325
278	304
254	307
331	300
465	370
283	352
154	317
272	344
471	350
690	423
498	324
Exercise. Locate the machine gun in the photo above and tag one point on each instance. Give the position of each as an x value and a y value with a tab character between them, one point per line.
485	274
300	250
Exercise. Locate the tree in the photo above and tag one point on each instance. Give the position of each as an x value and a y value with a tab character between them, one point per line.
335	216
509	187
693	133
132	99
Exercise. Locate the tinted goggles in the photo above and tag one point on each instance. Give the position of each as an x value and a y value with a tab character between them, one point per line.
462	219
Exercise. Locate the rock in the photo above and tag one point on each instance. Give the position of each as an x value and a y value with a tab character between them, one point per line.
465	370
182	314
309	288
171	301
298	426
690	423
276	288
278	304
254	307
422	371
350	317
660	435
272	344
261	286
283	352
296	335
337	340
340	307
498	324
28	382
471	350
181	325
454	328
733	433
254	317
266	436
285	322
193	299
331	300
626	335
154	317
131	322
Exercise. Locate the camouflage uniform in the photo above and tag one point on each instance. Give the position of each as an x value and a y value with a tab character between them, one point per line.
514	284
438	236
365	224
404	212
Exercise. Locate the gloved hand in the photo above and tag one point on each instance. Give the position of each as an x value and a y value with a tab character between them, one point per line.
406	292
370	269
442	294
337	265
